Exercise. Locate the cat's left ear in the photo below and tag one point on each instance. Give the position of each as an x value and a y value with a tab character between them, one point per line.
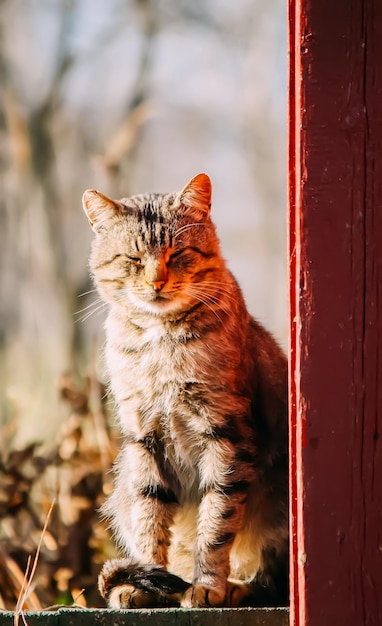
196	196
99	208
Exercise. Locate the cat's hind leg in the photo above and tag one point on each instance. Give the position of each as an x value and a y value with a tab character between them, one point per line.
259	593
127	585
271	585
238	594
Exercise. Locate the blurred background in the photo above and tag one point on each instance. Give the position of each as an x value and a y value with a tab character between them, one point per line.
126	96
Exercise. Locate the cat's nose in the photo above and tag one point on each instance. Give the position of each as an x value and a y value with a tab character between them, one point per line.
157	284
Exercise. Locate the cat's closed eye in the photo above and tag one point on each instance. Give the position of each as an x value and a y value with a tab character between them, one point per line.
182	259
174	255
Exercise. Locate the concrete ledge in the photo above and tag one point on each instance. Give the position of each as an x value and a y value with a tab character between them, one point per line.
151	617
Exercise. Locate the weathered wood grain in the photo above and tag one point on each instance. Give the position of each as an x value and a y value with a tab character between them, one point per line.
336	311
157	617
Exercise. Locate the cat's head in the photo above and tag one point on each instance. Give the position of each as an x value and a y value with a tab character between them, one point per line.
157	253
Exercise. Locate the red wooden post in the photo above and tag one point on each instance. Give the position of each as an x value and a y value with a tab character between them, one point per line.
336	311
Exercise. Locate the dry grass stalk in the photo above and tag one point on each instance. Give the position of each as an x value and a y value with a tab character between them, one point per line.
29	573
31	602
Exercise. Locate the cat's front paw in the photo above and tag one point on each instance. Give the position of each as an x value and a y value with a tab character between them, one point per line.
129	597
203	596
119	591
125	584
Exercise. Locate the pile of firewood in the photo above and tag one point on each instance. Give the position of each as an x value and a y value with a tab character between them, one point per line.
60	486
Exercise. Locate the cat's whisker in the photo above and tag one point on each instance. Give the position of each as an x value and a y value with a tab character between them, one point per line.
216	287
212	309
215	298
205	299
86	317
97	311
185	227
218	294
97	308
86	293
89	306
219	288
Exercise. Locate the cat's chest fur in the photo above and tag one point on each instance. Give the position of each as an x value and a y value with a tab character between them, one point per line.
171	383
153	356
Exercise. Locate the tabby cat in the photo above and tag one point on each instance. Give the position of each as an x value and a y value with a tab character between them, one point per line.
200	504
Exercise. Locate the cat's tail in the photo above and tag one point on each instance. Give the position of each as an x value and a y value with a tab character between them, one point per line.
125	584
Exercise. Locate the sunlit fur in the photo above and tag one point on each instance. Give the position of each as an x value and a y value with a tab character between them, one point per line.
201	481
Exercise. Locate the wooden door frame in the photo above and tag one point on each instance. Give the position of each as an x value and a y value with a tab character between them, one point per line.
335	253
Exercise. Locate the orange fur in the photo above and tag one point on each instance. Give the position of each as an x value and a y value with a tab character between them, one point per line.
201	388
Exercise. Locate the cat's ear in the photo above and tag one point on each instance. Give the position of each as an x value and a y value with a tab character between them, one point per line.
99	208
196	195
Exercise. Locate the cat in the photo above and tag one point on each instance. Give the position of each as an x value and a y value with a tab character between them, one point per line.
200	502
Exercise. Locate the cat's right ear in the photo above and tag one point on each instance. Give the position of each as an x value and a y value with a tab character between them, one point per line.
196	196
99	208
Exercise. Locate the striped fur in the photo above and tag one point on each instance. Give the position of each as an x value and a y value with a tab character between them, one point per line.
201	388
